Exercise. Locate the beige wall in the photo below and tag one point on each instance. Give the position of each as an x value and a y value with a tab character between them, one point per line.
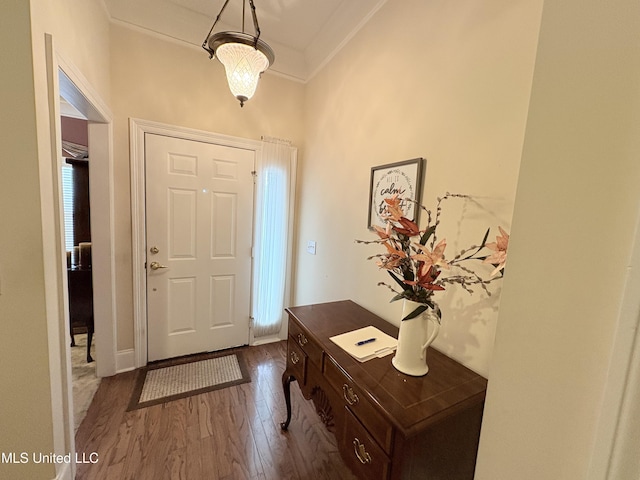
448	81
574	219
33	344
168	82
81	36
25	420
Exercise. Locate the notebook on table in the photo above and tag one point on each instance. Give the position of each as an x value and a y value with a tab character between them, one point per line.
366	343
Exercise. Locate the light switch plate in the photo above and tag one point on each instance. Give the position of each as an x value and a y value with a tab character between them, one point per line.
311	247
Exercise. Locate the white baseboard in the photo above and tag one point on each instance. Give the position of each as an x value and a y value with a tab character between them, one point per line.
125	360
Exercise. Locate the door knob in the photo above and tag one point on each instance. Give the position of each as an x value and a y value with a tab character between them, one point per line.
157	266
154	250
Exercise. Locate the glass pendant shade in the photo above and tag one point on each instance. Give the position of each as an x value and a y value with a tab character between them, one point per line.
243	65
244	56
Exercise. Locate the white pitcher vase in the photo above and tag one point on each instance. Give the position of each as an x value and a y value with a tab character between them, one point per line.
414	338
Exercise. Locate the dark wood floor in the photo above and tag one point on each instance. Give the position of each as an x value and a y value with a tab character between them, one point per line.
229	434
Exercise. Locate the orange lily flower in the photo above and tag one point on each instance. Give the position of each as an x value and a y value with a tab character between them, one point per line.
500	248
426	279
432	258
384	234
409	228
392	259
393	209
394	252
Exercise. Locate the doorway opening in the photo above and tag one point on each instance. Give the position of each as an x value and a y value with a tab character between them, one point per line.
76	91
84	131
77	229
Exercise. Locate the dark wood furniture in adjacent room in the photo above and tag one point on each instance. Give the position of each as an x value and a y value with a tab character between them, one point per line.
81	304
389	425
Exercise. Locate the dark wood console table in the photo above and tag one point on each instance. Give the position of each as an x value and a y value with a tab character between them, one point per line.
388	425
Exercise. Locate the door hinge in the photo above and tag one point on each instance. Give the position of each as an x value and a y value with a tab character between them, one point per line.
251	321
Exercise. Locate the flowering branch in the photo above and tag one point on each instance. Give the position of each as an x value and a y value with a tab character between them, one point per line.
416	267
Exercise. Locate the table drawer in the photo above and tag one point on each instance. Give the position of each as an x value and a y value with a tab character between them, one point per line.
361	452
357	402
296	361
304	341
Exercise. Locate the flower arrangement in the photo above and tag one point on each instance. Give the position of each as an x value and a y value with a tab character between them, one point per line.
415	261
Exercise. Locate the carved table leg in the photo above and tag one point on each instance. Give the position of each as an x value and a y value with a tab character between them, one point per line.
286	386
89	339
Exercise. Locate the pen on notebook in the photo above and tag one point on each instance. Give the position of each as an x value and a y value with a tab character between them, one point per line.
364	342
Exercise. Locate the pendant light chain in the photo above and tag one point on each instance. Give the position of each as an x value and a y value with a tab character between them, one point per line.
204	44
244	4
256	27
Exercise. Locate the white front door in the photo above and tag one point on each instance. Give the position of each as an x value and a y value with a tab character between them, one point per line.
199	226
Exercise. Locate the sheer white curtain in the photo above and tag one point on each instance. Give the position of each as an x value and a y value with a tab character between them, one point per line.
273	206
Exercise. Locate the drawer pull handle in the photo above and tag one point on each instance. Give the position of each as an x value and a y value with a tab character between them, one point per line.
361	452
302	340
349	395
294	358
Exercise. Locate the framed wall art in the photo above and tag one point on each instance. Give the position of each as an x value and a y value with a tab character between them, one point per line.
402	178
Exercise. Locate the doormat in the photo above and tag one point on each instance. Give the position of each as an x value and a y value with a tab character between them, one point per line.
180	378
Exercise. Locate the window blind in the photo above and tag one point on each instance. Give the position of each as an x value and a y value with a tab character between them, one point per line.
67	201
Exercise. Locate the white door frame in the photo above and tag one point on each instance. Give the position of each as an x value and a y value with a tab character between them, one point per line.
137	130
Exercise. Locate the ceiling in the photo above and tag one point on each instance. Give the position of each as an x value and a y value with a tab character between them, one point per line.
304	34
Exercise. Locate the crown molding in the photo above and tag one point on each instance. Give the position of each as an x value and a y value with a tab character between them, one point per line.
189	27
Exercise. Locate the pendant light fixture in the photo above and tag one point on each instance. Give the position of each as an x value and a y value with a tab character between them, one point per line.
244	56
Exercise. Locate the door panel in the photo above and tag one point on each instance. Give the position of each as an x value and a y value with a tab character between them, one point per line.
182	223
224	213
199	217
221	306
